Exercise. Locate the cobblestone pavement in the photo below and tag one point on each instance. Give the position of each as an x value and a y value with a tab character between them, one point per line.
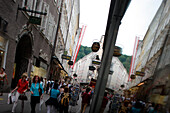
77	109
6	108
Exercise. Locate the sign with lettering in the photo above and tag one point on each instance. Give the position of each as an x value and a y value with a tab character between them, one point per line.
35	20
66	57
96	62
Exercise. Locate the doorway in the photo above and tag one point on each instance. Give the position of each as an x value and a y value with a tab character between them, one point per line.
22	56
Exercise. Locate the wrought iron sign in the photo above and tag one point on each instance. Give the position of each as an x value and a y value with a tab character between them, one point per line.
35	20
66	57
32	19
95	46
140	73
132	76
70	62
117	51
92	68
96	62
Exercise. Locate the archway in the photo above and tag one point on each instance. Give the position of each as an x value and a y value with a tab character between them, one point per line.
22	56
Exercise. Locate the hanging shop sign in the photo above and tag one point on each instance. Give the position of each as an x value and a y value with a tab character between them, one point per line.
35	20
66	57
139	73
92	68
117	51
95	46
111	72
70	62
132	76
122	86
97	57
96	62
75	75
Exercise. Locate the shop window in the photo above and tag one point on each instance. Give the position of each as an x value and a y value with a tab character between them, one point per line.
37	63
1	58
43	65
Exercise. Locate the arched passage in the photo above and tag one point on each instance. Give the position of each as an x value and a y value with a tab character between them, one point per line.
22	56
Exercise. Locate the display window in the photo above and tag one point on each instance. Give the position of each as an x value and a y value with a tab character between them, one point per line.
1	58
3	43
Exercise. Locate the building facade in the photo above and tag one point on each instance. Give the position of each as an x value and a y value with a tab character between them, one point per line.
118	75
154	58
68	31
27	47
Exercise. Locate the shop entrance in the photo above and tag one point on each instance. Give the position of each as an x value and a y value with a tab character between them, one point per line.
22	56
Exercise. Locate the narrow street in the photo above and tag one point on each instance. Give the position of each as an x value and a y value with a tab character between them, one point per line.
116	52
6	108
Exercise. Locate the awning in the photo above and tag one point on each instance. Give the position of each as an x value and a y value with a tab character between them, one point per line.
60	64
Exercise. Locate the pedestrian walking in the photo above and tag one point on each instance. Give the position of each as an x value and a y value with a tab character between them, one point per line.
3	77
158	108
41	82
45	83
115	104
52	103
137	108
52	83
22	87
36	93
48	86
104	102
64	103
85	100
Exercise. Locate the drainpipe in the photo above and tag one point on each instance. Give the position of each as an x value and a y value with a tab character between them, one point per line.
55	40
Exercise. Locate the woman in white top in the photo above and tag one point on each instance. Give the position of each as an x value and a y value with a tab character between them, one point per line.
3	76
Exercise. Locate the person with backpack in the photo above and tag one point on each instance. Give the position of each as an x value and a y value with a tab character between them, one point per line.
64	103
85	100
52	103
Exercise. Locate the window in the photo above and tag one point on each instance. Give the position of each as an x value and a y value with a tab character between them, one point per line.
24	3
3	25
1	58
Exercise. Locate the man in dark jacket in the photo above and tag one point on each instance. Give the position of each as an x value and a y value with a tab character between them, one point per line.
85	100
104	102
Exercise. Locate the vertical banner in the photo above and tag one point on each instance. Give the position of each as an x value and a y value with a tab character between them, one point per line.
78	45
133	57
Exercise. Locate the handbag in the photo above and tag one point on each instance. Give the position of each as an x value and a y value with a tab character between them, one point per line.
40	90
23	97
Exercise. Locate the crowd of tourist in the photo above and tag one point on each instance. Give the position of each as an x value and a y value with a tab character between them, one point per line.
119	104
63	94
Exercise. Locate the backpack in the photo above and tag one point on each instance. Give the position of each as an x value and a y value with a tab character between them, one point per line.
65	99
